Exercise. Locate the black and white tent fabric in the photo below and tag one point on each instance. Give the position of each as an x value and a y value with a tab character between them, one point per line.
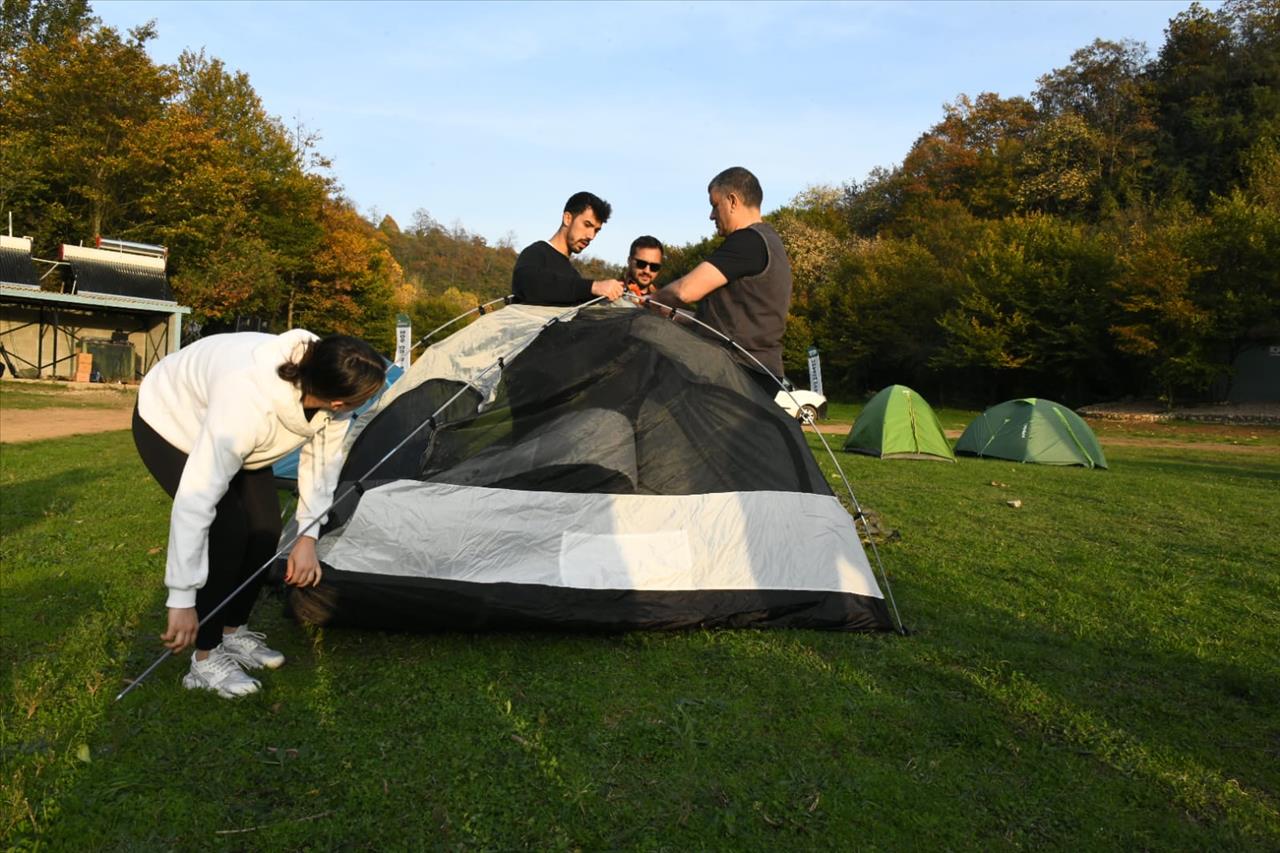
604	469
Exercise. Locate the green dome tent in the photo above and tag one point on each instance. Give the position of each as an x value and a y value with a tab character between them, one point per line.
898	424
1032	430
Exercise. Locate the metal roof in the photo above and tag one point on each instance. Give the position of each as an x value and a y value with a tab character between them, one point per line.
111	302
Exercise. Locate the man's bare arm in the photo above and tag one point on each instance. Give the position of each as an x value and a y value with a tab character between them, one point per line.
703	279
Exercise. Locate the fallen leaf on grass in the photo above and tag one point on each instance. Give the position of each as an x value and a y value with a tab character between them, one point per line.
999	485
154	551
82	753
1016	504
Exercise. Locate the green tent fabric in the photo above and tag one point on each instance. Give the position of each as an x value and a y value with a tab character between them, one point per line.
1032	430
897	423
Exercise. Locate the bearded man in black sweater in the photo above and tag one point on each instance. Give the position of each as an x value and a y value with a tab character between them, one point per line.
543	273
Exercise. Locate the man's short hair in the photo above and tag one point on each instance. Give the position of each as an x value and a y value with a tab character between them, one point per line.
579	202
645	242
741	183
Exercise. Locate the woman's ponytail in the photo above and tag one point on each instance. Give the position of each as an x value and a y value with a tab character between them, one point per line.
292	371
338	367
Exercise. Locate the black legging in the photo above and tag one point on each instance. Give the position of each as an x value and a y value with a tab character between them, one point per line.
244	534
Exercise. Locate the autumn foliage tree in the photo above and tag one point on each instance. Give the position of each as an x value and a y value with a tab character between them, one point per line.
353	285
101	140
1113	234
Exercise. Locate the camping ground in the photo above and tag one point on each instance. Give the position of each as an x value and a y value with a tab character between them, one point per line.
1093	669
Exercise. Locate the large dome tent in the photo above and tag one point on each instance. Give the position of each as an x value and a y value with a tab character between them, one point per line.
1032	429
897	423
597	469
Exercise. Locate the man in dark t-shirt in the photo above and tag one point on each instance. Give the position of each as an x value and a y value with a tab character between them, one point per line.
544	274
744	288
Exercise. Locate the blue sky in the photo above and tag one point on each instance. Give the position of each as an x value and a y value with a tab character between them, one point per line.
489	115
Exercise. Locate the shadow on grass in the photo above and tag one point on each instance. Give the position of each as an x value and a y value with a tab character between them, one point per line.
27	502
1206	470
701	737
1196	729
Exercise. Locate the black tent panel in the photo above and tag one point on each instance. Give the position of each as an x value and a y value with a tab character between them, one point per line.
427	605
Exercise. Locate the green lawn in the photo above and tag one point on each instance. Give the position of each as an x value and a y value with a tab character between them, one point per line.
44	395
1096	669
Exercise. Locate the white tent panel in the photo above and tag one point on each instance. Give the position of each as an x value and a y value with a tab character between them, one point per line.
723	541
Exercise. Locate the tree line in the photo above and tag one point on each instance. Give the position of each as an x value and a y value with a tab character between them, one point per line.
1115	233
101	140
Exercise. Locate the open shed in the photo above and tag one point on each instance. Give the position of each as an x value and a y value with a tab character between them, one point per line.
112	300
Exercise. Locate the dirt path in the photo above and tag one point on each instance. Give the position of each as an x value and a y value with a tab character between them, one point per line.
18	425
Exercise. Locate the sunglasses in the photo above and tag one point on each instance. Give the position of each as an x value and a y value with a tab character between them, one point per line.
646	265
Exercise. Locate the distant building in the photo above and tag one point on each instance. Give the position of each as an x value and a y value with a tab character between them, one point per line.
112	300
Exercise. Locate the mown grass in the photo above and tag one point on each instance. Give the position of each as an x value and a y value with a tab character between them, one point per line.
1096	669
46	395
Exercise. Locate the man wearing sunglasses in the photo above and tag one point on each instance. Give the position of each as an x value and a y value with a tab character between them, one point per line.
743	289
644	261
544	274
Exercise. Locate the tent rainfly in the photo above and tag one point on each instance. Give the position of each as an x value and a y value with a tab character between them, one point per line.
898	423
1032	430
605	471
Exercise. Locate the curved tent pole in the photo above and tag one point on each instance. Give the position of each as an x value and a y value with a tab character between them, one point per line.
354	487
673	313
481	309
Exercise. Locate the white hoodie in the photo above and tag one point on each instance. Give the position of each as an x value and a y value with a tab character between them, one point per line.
221	402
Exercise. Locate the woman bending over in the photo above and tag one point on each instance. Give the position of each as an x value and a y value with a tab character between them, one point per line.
210	420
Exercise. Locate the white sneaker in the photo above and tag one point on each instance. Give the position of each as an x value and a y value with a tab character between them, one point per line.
219	672
249	650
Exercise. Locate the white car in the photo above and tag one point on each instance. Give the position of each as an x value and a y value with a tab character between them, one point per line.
802	405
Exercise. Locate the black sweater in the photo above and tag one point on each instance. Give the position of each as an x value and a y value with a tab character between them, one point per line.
543	276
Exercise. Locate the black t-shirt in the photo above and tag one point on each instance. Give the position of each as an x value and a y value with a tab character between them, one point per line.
742	254
543	276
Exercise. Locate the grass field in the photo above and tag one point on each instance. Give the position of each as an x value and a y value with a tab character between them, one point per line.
46	395
1094	670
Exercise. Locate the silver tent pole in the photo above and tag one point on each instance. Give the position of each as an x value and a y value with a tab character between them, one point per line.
505	300
340	498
